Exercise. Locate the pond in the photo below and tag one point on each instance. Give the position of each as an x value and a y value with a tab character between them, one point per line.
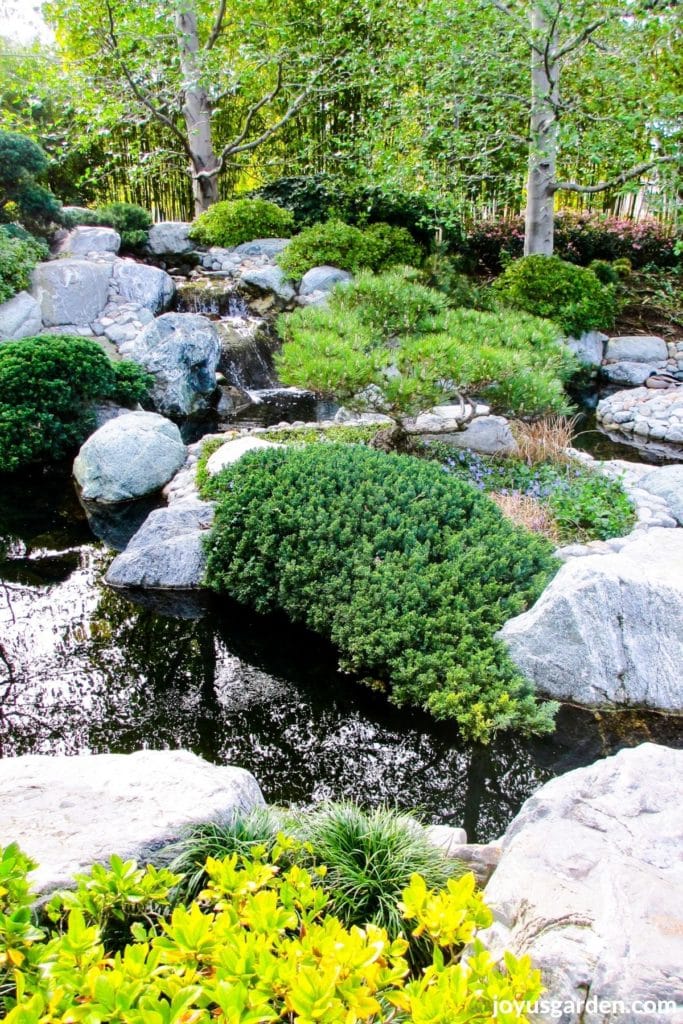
82	669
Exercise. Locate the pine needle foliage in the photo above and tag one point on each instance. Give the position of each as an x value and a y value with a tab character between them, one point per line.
408	571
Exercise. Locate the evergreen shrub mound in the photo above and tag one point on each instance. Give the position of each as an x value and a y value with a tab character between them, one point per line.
407	571
241	220
389	344
130	220
19	253
337	244
550	287
47	387
262	945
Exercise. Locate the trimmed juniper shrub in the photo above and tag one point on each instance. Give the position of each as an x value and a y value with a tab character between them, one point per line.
47	387
408	572
241	220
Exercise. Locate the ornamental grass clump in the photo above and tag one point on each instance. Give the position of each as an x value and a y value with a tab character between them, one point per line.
409	573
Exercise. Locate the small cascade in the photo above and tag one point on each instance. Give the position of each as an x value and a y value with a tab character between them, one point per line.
213	297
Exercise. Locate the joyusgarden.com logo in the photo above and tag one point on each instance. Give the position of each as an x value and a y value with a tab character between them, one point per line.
573	1008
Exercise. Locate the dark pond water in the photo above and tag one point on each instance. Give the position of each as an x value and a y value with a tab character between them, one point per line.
83	669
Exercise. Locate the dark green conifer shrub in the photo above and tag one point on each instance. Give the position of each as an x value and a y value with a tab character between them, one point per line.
408	572
47	387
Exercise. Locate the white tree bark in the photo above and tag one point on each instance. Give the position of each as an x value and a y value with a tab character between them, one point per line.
545	78
196	111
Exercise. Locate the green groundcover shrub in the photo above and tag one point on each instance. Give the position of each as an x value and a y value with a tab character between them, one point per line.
241	220
130	220
19	253
550	287
391	345
47	387
408	572
337	244
262	946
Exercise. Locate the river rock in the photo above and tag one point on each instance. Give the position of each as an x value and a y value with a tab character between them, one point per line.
71	291
667	482
268	278
232	451
167	552
83	241
20	317
590	885
490	435
146	286
323	279
68	813
589	348
128	457
169	238
182	351
630	359
267	248
652	416
606	631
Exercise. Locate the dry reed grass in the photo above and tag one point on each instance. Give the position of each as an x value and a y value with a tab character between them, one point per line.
546	440
523	510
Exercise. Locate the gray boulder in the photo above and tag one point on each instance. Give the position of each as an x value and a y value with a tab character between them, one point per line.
71	291
20	317
636	349
589	347
590	885
169	238
490	435
607	630
149	287
267	248
182	350
268	278
83	241
667	482
69	813
128	457
323	279
167	552
628	374
232	451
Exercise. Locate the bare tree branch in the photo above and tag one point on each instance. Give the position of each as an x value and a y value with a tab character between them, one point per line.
577	40
620	179
218	26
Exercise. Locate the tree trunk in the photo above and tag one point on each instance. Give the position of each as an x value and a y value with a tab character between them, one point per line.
196	111
545	73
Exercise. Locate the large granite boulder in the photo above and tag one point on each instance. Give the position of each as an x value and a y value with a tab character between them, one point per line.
146	286
260	248
589	347
630	359
182	351
170	238
268	278
590	885
20	317
667	482
128	457
490	435
68	813
607	630
84	241
167	552
71	291
323	279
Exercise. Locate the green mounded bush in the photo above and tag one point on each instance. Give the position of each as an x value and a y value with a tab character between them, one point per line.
391	345
409	573
130	220
260	946
550	287
241	220
333	244
21	196
394	246
19	253
47	387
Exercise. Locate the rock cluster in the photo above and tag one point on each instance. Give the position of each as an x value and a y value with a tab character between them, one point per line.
644	414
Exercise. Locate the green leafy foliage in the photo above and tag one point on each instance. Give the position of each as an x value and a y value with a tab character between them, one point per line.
550	287
241	220
19	253
408	572
389	344
22	161
47	387
334	244
262	946
394	246
130	220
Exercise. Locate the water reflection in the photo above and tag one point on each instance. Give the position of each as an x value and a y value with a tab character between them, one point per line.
84	669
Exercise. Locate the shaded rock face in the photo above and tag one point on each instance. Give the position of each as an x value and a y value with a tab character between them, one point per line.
589	348
169	238
323	279
268	279
148	287
607	629
71	291
20	317
167	552
128	457
68	813
667	482
84	240
590	885
182	351
246	353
